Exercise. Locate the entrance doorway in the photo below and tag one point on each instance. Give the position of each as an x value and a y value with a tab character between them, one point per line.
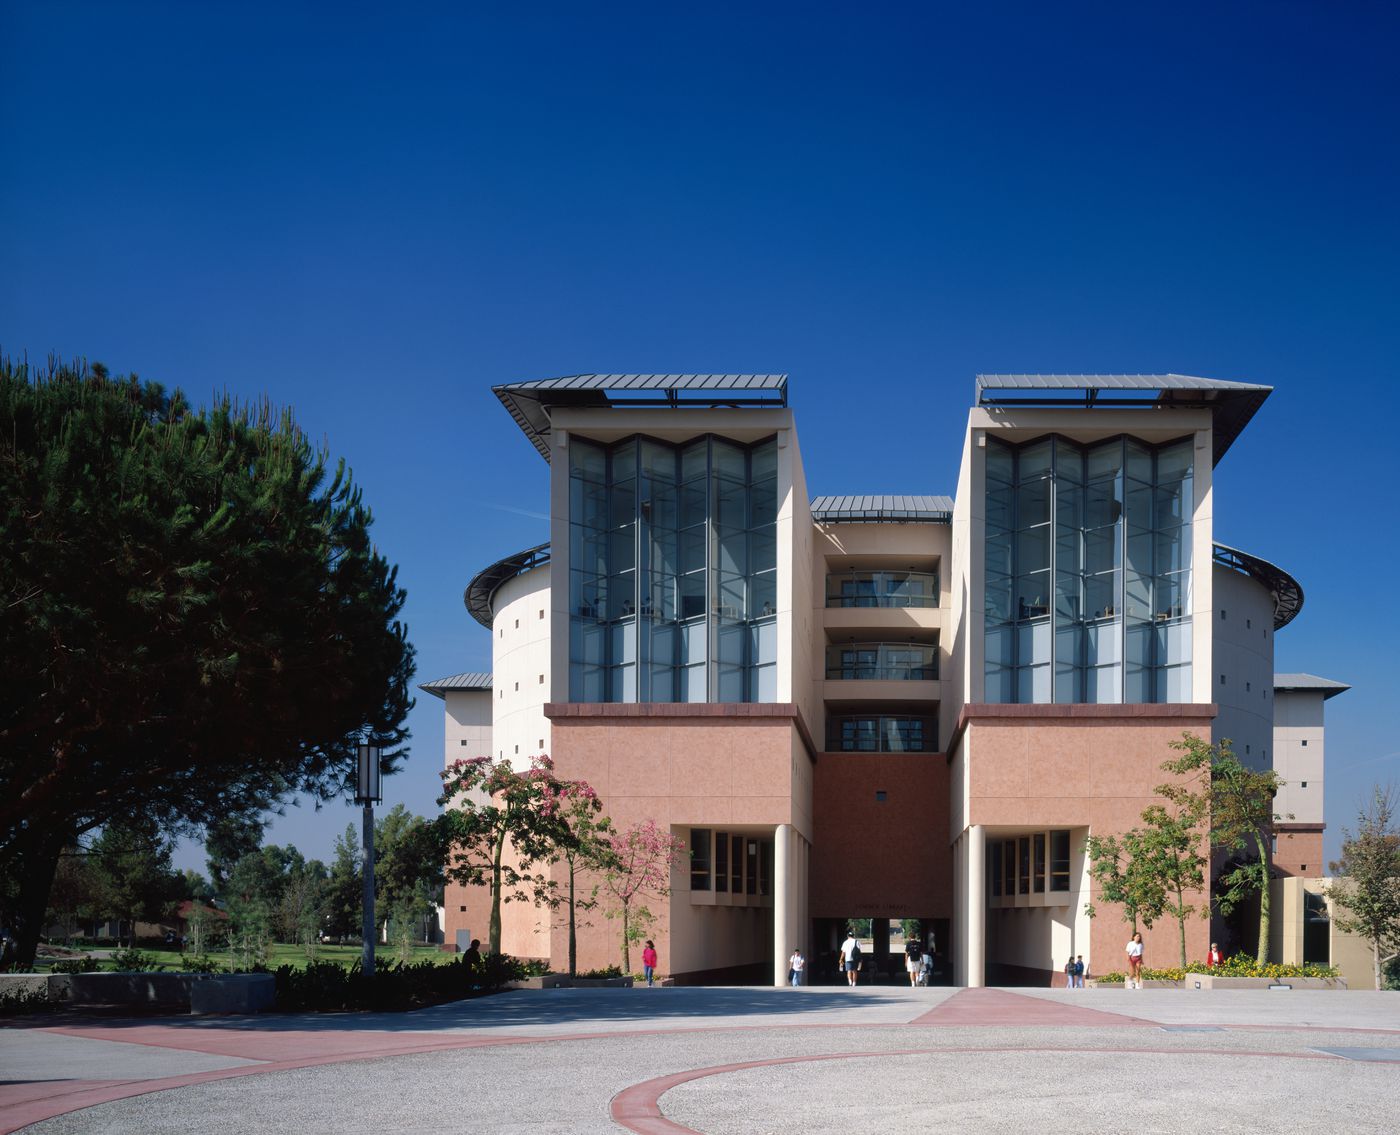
883	942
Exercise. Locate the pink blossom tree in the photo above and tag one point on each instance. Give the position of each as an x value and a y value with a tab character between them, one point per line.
580	841
638	864
487	805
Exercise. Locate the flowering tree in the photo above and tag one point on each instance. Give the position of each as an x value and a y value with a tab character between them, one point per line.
486	805
638	863
580	840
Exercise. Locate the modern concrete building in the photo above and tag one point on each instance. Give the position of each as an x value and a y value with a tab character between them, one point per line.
889	706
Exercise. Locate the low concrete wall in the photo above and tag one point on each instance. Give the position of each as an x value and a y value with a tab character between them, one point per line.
195	992
1213	981
12	983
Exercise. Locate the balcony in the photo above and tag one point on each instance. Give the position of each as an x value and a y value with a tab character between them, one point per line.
882	589
881	733
882	662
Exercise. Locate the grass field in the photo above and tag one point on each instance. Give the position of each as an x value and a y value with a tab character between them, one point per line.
281	954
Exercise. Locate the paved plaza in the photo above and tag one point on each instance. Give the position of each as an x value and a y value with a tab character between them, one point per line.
729	1060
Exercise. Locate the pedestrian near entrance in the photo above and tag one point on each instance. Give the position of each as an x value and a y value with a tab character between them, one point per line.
1081	971
796	965
649	960
1069	973
926	965
911	964
1135	962
1215	957
850	958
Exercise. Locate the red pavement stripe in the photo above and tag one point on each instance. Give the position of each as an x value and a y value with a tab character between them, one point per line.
998	1007
638	1108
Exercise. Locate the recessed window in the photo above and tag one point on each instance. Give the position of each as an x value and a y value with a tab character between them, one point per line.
501	633
1302	867
1305	744
542	612
517	687
1222	679
542	679
1248	687
517	749
541	742
463	910
517	624
700	859
1246	750
880	796
463	741
1248	624
1304	784
1222	614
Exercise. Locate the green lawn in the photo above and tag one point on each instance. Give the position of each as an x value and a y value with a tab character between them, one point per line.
282	954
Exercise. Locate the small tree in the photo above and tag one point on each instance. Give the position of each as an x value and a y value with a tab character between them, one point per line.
580	840
1241	806
1151	869
487	806
1368	886
1118	864
638	864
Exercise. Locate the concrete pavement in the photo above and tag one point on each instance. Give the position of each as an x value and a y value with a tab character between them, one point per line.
751	1061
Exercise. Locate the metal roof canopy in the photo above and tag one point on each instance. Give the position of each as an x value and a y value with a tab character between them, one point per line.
873	509
1310	682
1287	591
1232	403
439	687
483	586
530	403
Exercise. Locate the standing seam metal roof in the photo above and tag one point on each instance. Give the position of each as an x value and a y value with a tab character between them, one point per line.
856	509
1325	686
529	402
438	687
1232	403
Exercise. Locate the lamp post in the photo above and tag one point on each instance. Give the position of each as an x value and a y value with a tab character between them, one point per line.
368	793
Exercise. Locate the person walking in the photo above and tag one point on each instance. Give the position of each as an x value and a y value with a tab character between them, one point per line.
911	964
1081	971
1069	973
850	957
796	964
649	961
1134	952
926	965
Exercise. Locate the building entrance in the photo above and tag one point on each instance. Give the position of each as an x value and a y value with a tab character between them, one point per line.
882	943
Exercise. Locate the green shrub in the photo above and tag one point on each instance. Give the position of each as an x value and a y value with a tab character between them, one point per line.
329	987
25	1001
200	963
601	974
134	961
1241	965
75	965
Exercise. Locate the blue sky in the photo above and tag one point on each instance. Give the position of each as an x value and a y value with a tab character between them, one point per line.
373	213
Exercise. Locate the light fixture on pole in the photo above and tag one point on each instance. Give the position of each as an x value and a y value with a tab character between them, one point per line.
368	793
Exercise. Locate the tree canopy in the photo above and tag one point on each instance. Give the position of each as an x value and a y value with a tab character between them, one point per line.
193	620
1367	889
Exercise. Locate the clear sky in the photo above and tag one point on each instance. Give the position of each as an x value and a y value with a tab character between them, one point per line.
372	213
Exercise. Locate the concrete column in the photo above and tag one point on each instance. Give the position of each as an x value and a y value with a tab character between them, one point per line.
976	906
783	881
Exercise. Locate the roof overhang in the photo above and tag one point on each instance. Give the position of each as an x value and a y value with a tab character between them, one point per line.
482	588
1287	592
1232	404
531	403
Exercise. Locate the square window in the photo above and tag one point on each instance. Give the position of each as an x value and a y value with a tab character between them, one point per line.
463	910
1302	866
1305	744
1304	784
880	796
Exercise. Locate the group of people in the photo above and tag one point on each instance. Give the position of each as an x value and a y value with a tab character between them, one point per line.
1075	972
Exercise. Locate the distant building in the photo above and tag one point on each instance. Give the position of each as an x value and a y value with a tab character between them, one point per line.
878	706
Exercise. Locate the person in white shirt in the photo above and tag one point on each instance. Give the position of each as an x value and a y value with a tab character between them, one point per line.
796	964
1135	962
850	957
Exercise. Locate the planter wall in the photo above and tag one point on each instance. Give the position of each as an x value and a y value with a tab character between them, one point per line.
1213	981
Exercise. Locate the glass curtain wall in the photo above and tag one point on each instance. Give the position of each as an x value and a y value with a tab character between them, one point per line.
673	571
1088	571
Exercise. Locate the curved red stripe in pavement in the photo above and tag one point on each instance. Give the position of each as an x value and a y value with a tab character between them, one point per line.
998	1007
638	1108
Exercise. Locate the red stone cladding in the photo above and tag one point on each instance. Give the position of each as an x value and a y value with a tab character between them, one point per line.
1045	766
1299	850
720	766
887	859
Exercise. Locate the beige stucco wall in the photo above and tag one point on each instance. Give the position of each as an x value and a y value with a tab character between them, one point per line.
520	657
1350	953
1298	718
1243	646
467	724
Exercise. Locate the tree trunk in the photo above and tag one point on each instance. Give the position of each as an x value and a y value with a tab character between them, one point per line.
1262	951
573	938
493	936
34	868
626	940
1376	963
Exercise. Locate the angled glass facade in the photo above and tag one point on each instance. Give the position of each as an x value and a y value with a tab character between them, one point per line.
673	571
1088	571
